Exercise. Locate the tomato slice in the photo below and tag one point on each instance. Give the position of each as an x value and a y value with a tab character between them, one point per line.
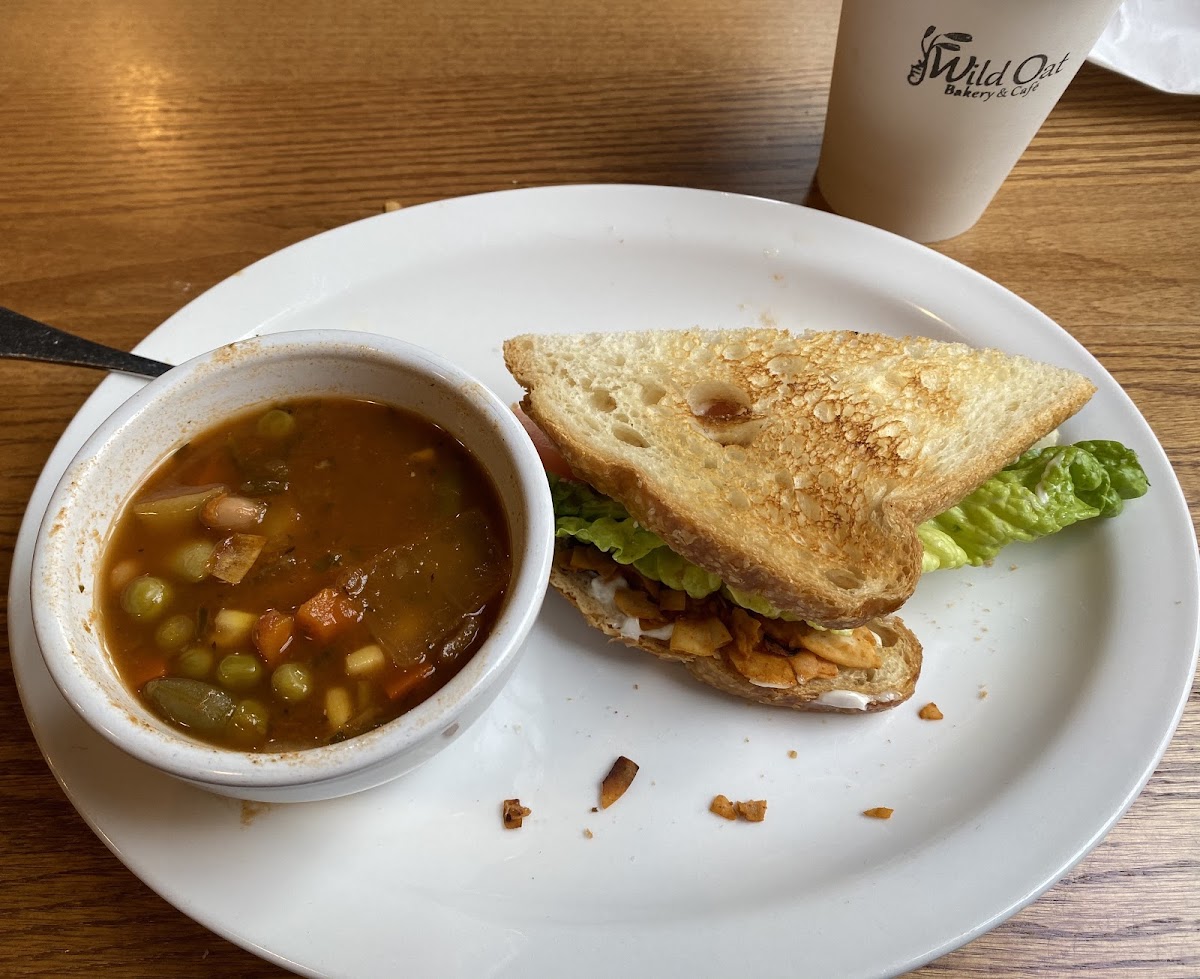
552	459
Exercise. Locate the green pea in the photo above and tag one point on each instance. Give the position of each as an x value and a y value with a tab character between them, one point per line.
146	597
250	719
195	662
174	632
276	424
239	671
190	560
292	681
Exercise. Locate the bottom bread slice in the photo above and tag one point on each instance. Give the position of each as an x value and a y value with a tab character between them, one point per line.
852	691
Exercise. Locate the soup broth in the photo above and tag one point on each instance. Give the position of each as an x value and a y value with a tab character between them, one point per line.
303	573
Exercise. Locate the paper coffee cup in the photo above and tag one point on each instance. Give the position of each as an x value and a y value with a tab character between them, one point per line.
933	101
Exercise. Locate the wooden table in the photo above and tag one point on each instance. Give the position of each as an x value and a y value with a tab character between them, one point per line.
150	148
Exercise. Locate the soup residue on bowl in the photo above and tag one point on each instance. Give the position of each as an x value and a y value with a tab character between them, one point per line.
303	573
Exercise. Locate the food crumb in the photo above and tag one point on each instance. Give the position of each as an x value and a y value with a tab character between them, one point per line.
389	206
983	693
879	812
723	807
930	712
793	753
753	810
512	813
618	779
1012	567
588	834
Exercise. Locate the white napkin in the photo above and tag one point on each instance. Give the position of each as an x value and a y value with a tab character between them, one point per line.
1156	42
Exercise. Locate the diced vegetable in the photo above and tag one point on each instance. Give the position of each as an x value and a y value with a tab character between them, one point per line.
292	681
250	719
406	605
122	573
365	660
146	597
190	561
281	519
239	671
225	512
235	556
459	641
195	662
448	490
404	683
326	614
233	627
277	423
338	706
149	667
174	510
272	635
174	632
190	703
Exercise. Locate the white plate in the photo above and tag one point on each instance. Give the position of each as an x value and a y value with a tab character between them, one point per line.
992	805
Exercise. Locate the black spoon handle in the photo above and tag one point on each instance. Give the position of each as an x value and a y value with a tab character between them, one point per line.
26	339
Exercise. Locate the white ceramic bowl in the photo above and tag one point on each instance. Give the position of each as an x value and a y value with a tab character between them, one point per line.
192	398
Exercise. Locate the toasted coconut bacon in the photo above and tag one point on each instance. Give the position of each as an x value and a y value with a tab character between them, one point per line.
512	813
618	779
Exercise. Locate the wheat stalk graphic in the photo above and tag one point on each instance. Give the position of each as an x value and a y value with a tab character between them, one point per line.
933	41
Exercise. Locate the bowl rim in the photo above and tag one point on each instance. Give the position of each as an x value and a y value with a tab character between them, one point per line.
202	763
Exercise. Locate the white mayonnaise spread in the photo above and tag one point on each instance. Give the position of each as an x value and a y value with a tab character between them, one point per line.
847	699
629	627
1052	468
1046	441
604	591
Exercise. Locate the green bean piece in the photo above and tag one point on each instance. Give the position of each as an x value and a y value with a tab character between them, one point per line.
239	671
174	631
292	681
448	490
250	719
190	703
190	560
195	662
276	424
146	597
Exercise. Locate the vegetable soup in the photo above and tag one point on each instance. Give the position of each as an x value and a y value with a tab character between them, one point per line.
303	573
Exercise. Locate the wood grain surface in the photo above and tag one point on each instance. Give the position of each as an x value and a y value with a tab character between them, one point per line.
150	148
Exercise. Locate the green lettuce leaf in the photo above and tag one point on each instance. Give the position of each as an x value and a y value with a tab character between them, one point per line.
1042	492
585	515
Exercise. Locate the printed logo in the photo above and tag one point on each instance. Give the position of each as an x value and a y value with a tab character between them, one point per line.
942	62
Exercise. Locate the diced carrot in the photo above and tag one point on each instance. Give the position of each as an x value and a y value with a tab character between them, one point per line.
214	467
326	614
402	684
272	636
142	671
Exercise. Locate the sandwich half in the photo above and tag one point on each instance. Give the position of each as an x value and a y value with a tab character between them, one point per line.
747	501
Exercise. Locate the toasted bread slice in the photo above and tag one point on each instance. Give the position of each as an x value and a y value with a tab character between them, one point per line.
851	691
794	466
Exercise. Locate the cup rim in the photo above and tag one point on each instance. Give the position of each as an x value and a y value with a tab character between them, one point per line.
197	761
